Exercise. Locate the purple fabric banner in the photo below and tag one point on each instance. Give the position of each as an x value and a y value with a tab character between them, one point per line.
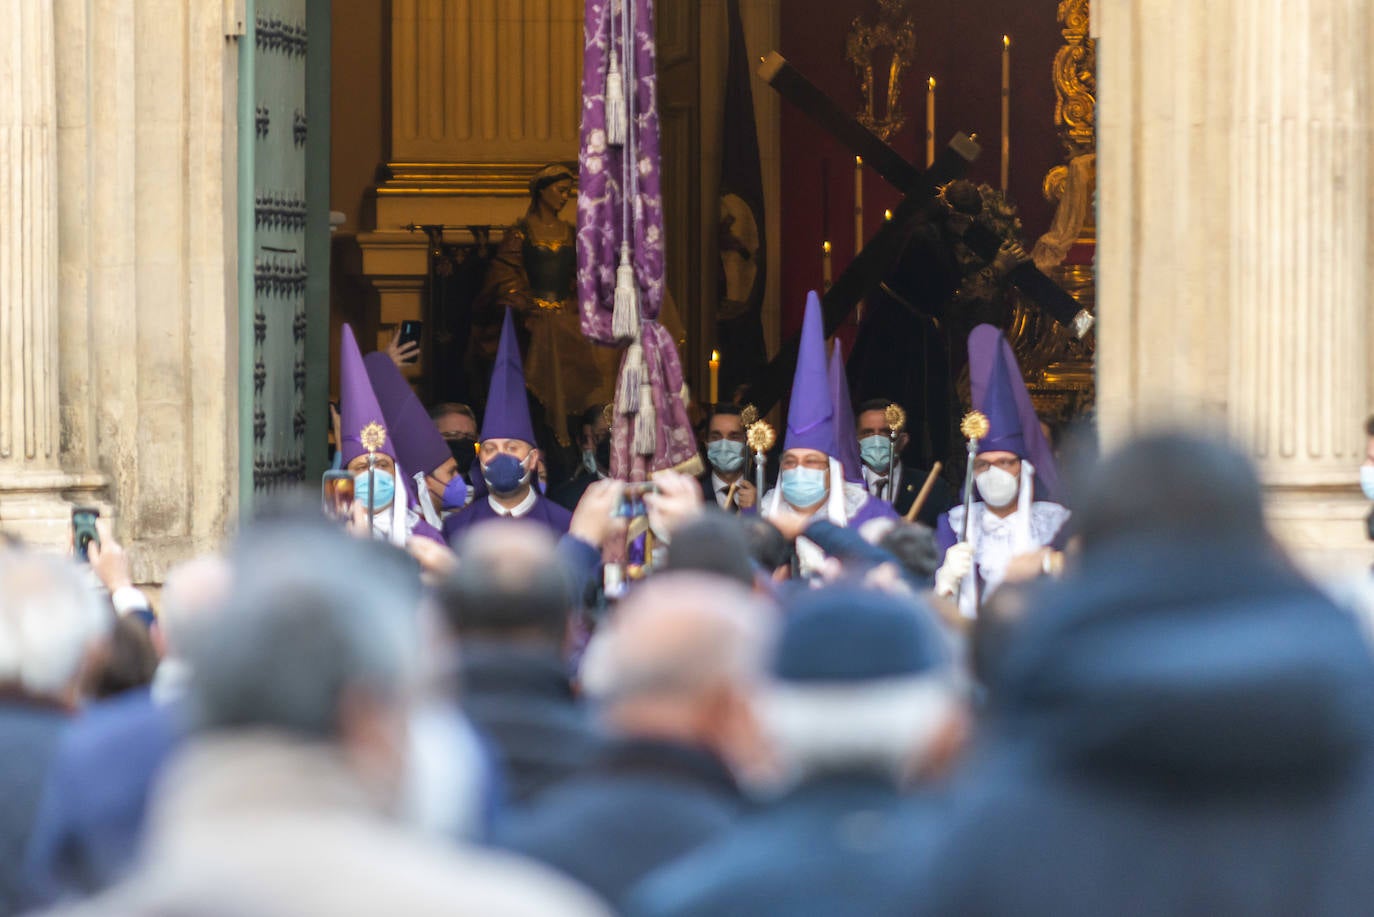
604	223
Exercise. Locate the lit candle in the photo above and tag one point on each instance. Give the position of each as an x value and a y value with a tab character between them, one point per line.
930	122
1006	109
887	216
858	204
826	275
715	376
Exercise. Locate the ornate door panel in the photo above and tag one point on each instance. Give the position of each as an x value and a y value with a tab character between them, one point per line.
287	213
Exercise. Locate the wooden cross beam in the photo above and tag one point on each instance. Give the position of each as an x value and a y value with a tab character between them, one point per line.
873	264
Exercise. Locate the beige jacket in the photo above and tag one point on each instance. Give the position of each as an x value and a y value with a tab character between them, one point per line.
264	826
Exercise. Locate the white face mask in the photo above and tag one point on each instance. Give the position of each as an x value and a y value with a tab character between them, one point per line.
1367	481
997	487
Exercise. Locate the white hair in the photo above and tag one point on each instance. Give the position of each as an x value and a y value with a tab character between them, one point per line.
729	642
889	725
49	617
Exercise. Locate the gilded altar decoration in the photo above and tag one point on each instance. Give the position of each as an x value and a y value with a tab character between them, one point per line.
1059	371
893	36
748	416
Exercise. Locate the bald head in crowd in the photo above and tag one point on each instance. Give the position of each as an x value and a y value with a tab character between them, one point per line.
680	661
509	585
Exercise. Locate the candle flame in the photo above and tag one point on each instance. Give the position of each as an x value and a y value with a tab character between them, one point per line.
715	356
858	162
887	214
825	247
932	84
1006	41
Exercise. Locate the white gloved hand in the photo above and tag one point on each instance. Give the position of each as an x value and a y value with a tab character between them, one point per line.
958	563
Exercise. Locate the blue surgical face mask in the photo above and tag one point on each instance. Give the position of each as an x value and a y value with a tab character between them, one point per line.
1367	481
725	455
803	487
385	485
505	474
456	493
876	451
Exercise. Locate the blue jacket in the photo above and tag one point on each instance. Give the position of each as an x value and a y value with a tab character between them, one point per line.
839	845
1187	729
93	804
29	735
641	805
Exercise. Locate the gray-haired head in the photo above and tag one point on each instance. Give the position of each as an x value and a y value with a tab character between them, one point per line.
314	617
50	616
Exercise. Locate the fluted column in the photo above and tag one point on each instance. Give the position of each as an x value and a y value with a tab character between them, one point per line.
28	240
1234	257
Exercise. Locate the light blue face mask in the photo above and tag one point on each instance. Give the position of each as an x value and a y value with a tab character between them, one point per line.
386	490
1367	481
876	452
803	487
725	455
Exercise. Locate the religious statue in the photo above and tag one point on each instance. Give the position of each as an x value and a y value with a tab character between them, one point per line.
534	272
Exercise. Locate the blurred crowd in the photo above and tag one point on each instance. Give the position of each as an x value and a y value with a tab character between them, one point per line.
785	678
1175	720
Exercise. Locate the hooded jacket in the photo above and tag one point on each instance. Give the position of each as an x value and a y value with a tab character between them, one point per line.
1187	729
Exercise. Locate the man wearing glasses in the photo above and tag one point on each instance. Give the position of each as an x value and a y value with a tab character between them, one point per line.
1014	478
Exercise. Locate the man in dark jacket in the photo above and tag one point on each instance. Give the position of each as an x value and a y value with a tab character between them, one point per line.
861	699
672	676
509	605
1186	727
50	619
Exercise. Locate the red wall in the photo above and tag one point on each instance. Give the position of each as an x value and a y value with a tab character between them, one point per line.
959	42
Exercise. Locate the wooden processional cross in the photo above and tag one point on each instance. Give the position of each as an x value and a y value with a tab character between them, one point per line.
873	264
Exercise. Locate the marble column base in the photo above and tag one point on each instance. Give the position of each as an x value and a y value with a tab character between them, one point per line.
1323	528
36	506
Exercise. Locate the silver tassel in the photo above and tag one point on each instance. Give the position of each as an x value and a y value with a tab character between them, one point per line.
625	317
631	375
645	441
616	118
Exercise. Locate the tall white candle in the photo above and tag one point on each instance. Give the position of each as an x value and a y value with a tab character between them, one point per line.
1006	109
930	123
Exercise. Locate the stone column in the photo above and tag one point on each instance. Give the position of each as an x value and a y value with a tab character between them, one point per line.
31	477
1234	255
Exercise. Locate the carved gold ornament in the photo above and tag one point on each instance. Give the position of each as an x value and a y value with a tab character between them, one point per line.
975	425
749	415
894	33
895	417
761	436
373	436
1075	90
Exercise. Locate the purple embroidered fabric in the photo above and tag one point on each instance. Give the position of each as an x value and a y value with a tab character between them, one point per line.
602	226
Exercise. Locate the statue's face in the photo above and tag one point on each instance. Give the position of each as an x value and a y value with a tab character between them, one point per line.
555	196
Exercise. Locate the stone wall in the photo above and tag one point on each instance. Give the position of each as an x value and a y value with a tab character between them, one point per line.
127	294
1234	244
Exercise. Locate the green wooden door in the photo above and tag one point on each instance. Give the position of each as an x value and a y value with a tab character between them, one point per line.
283	245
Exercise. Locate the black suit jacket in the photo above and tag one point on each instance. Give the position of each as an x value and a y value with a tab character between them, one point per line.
942	495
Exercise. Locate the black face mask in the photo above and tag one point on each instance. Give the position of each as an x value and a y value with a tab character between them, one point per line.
464	450
603	453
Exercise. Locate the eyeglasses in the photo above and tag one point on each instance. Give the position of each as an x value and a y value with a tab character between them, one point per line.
1006	464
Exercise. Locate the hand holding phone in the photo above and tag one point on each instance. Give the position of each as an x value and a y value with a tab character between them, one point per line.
338	495
84	530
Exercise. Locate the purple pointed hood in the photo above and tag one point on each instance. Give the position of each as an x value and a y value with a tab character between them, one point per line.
418	443
1000	393
358	407
811	412
508	408
848	442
